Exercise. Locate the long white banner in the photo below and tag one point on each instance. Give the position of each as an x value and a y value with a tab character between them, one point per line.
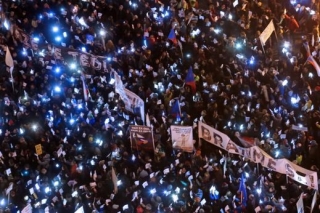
264	36
257	155
182	138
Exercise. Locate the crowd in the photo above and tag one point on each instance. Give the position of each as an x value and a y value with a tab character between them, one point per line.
256	94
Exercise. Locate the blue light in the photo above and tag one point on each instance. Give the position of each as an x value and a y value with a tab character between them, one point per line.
57	89
57	70
55	29
58	38
36	39
71	121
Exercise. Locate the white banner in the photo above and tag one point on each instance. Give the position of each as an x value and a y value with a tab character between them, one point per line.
300	128
130	99
264	36
257	155
300	207
182	138
119	88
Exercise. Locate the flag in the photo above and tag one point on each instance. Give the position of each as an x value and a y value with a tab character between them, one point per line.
148	123
9	63
314	201
225	165
243	191
175	109
310	58
85	88
300	205
172	37
9	60
114	180
312	40
190	80
313	62
180	45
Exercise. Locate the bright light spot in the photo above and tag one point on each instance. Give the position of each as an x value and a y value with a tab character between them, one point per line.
73	66
230	17
58	38
119	182
47	190
74	194
284	50
34	127
83	49
57	70
177	190
238	45
82	22
71	121
294	100
102	32
120	133
92	162
56	183
258	191
55	29
99	142
285	82
175	198
21	131
133	158
286	44
65	34
2	202
310	75
241	127
36	39
246	174
6	24
111	81
277	153
57	89
217	31
152	191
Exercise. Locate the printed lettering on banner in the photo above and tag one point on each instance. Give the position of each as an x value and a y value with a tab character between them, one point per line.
257	155
141	138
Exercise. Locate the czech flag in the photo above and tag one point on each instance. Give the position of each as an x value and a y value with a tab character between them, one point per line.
190	80
310	58
172	37
175	109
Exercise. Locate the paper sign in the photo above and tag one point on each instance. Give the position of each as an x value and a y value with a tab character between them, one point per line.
38	149
145	184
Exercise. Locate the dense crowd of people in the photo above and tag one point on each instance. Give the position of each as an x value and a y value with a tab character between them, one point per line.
256	94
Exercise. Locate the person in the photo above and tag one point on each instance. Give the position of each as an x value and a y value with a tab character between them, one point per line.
206	134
